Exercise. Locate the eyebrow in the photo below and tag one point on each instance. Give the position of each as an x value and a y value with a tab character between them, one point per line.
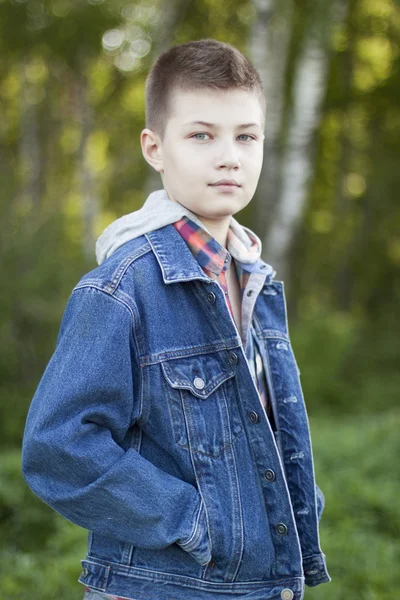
242	126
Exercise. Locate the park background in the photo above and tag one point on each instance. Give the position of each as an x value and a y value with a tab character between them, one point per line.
327	209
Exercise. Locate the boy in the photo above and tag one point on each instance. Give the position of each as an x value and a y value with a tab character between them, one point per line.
170	420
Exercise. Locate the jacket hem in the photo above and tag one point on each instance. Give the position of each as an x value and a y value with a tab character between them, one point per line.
145	584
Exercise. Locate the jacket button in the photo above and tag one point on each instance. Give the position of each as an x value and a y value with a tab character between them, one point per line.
249	293
199	383
269	474
233	358
281	529
85	571
211	297
287	594
253	416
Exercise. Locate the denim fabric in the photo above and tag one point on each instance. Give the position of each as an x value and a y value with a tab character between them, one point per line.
147	430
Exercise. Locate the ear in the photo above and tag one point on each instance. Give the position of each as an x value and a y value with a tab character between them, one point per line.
151	149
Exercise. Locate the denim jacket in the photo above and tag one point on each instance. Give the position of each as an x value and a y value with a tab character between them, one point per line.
147	430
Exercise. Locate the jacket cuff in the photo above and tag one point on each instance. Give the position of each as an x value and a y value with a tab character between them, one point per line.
198	545
315	570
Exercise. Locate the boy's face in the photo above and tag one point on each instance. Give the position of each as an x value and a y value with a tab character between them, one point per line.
192	157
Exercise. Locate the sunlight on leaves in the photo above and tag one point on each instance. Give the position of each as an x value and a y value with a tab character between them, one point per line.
381	8
99	74
36	70
112	40
133	98
10	86
376	58
61	8
355	184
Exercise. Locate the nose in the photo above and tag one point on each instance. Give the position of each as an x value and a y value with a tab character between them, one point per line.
228	156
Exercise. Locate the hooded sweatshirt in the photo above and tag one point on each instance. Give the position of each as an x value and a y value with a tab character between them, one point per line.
159	210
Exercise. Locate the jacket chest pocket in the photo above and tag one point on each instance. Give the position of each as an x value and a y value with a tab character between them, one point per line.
202	401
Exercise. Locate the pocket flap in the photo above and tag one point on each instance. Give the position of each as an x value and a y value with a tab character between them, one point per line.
200	374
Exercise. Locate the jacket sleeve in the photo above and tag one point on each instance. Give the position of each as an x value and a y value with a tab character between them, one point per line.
74	451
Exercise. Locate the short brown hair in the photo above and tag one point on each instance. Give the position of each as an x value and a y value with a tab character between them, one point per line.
205	63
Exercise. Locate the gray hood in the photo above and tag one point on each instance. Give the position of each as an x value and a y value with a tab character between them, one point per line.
159	210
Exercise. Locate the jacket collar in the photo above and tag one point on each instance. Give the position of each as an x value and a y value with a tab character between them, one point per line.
177	262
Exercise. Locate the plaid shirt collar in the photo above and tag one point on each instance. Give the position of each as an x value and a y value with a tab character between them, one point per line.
210	254
214	258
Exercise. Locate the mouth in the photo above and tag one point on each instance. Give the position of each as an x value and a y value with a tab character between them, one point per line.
225	184
227	188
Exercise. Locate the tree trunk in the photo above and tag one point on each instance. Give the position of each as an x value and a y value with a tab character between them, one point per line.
86	176
174	13
297	162
268	50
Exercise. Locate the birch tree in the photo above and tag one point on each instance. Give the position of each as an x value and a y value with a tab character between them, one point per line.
268	50
309	85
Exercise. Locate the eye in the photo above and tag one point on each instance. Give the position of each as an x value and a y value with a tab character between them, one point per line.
247	135
196	134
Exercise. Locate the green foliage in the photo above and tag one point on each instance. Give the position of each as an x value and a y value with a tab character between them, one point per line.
347	367
16	517
357	471
40	549
39	272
